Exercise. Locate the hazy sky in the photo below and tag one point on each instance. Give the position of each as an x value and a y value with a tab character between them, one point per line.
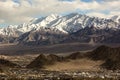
19	11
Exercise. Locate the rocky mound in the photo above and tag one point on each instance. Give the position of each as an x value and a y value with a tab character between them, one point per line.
111	56
101	53
43	60
6	63
55	58
76	55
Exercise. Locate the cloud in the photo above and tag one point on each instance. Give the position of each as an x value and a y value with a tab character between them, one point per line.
97	14
19	11
1	21
12	12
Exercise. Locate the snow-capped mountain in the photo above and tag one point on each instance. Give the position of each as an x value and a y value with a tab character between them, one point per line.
68	24
116	18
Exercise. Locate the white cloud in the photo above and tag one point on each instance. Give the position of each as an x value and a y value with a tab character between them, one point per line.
115	13
14	13
1	21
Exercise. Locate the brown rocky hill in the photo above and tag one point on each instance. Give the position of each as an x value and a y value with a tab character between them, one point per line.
110	57
76	55
1	70
42	60
5	63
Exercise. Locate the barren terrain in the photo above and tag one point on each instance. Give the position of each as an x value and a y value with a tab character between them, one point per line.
76	65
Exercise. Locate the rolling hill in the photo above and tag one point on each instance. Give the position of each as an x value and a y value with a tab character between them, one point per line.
109	56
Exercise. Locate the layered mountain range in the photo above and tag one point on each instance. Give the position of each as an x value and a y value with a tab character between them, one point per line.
61	29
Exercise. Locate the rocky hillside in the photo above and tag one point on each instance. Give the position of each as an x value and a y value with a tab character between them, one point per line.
110	57
5	63
41	37
43	60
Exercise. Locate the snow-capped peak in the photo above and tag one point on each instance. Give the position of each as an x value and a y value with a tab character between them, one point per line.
116	18
67	24
35	20
52	17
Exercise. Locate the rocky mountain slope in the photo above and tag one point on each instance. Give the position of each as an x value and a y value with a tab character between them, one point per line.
41	37
43	60
111	56
53	28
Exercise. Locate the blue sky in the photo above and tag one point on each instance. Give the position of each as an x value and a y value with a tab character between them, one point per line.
20	11
87	0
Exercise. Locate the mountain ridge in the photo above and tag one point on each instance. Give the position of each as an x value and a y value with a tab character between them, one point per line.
51	20
66	25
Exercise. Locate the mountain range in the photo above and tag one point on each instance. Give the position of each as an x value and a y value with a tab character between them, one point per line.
55	29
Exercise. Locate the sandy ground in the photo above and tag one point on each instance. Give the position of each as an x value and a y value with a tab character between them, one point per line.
80	64
73	65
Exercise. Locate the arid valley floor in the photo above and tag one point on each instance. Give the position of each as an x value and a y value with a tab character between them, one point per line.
72	68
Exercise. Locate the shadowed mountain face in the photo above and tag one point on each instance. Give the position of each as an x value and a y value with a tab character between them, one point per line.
114	38
97	35
101	53
8	64
85	35
41	37
1	70
38	62
110	56
112	64
76	55
104	52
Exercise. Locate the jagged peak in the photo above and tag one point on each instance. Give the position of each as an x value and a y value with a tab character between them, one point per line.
54	16
116	18
67	24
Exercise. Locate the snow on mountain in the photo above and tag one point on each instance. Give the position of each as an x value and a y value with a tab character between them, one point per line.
10	31
116	18
67	24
